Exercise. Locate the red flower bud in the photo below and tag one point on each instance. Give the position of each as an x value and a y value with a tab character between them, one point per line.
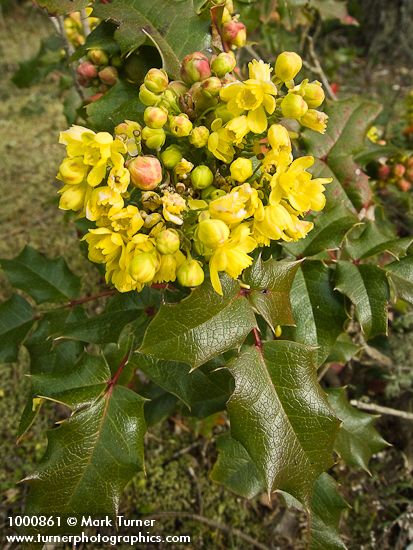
86	72
195	67
234	33
404	185
109	76
145	172
399	170
383	172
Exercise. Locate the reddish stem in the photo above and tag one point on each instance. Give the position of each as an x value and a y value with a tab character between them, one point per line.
258	343
84	299
113	381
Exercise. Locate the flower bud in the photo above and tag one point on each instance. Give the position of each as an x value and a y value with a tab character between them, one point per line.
98	57
178	88
86	72
206	193
212	233
147	97
154	138
278	137
195	67
180	125
93	98
404	185
399	170
202	177
216	194
383	172
234	33
171	156
72	197
293	106
287	66
199	136
143	267
313	94
211	86
155	117
145	172
224	63
167	241
109	76
190	273
226	16
156	80
315	120
72	170
241	169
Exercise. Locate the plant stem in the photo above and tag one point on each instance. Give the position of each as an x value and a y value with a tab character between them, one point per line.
113	381
317	68
257	338
85	299
372	407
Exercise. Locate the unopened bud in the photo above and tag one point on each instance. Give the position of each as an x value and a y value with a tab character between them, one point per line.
199	136
404	185
167	241
86	71
178	88
109	76
146	172
195	67
212	233
315	120
211	86
72	170
399	170
143	267
224	63
156	80
383	172
190	273
206	193
98	57
171	156
180	125
293	106
313	94
72	197
241	169
202	177
147	97
278	137
234	33
155	117
287	66
217	194
154	138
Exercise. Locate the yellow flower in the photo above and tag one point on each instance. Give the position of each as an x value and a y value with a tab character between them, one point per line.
173	206
101	201
279	138
241	169
183	167
229	208
74	197
271	224
119	179
258	70
105	245
221	142
315	120
72	170
127	220
168	265
239	127
212	233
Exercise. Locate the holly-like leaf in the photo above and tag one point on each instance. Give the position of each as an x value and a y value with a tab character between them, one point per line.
328	233
62	7
43	279
204	391
374	237
100	38
367	287
326	507
201	326
234	468
270	284
90	457
172	26
357	440
348	123
343	350
401	275
318	310
16	319
280	415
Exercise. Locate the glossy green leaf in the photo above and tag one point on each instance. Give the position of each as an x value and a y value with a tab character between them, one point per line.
357	440
401	275
280	415
173	27
160	404
343	350
16	319
204	391
270	284
367	287
348	123
62	7
318	310
234	468
201	326
100	38
90	457
44	279
374	237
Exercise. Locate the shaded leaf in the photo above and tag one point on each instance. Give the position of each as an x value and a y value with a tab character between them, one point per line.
62	7
44	279
373	237
100	38
367	287
160	404
343	350
201	326
401	275
16	319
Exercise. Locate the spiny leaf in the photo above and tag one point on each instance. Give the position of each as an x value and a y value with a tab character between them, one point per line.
62	7
201	326
343	350
374	237
90	457
317	309
100	38
357	440
270	284
401	275
280	415
16	319
367	287
44	279
173	27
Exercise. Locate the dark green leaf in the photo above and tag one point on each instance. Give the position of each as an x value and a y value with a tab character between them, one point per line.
317	309
367	287
16	319
173	27
357	440
201	326
343	350
43	279
62	7
374	237
280	415
90	457
401	275
160	404
270	284
100	38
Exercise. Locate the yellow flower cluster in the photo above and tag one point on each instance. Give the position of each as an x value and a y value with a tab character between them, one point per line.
205	178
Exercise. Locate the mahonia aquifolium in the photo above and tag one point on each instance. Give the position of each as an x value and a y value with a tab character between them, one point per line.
209	178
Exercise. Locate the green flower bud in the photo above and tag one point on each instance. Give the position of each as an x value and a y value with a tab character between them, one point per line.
167	241
190	273
202	177
98	57
155	117
216	194
206	193
156	80
143	267
147	97
180	125
109	76
154	138
145	172
241	169
313	94
212	233
199	136
171	156
287	66
293	106
211	86
235	33
224	63
195	67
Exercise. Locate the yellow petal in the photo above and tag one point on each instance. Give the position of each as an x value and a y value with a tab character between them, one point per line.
257	120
